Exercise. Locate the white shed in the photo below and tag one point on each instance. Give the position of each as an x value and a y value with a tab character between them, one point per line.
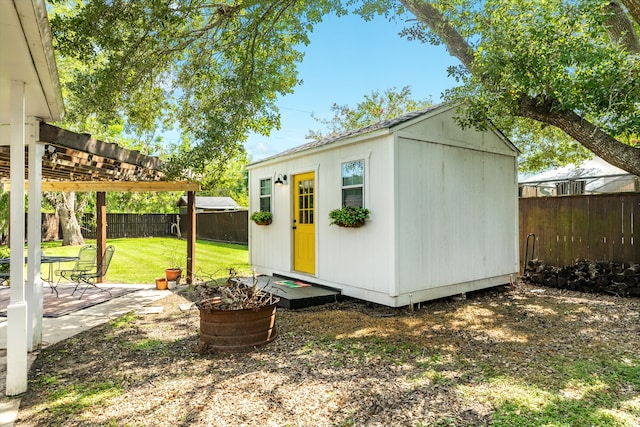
443	207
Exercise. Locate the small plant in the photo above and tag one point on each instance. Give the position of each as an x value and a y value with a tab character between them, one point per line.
261	217
174	261
349	216
174	266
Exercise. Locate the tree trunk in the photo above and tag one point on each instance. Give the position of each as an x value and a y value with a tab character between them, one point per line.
633	6
620	28
71	231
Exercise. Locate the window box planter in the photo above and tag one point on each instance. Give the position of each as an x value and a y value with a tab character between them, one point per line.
261	217
349	216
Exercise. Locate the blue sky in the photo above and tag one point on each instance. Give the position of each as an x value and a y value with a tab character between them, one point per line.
347	59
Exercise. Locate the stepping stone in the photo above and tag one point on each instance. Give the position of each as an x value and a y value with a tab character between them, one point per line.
185	307
150	310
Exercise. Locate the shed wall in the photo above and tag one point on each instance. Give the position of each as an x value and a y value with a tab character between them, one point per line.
360	257
443	207
457	211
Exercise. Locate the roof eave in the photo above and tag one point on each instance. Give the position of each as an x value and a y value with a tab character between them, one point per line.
37	32
312	150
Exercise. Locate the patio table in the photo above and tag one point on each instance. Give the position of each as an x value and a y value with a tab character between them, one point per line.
47	259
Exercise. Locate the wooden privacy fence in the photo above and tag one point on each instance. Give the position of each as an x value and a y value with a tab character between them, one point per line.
223	226
121	225
229	227
596	227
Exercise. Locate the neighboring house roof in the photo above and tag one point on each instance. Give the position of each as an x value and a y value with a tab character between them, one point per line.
599	176
211	203
385	124
593	168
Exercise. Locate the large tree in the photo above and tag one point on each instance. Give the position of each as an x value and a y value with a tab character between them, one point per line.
213	68
210	70
572	64
217	68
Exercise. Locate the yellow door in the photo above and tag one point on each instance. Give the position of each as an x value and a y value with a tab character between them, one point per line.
304	232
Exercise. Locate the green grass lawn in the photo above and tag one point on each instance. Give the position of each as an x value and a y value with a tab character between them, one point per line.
142	260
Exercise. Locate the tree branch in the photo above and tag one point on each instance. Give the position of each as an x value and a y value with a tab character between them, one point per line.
586	133
440	25
633	6
620	28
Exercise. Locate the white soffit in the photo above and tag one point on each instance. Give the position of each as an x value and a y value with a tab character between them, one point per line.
26	54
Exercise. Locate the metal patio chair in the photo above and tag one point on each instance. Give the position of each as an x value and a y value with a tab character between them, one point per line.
86	262
88	278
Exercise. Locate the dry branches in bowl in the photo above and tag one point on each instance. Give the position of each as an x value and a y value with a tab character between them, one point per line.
234	316
236	294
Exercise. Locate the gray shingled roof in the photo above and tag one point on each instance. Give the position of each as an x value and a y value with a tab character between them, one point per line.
205	202
385	124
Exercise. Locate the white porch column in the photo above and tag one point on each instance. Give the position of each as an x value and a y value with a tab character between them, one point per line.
33	288
17	310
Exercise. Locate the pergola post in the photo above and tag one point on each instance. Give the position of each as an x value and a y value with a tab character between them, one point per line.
33	290
191	236
101	227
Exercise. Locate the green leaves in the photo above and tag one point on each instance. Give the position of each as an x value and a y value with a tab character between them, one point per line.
573	59
261	217
213	69
349	216
374	108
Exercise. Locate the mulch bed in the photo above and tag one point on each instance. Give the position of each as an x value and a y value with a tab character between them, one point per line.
64	302
352	363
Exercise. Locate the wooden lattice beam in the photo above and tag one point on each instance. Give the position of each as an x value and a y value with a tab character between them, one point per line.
116	186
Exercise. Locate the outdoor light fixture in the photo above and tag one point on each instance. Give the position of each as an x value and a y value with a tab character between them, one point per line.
50	153
281	179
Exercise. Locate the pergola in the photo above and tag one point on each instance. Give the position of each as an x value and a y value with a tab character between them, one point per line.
78	162
36	156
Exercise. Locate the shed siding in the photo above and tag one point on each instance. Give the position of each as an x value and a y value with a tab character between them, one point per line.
458	218
441	128
360	257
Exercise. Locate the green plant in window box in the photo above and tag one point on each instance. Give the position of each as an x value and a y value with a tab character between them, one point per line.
349	216
261	217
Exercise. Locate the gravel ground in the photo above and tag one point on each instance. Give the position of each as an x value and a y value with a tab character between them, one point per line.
340	364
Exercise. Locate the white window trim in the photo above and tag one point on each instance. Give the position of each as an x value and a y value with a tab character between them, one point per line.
366	156
270	196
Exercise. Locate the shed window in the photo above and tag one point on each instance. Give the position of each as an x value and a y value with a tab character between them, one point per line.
353	183
265	194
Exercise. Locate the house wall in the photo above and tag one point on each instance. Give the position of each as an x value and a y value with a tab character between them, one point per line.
456	210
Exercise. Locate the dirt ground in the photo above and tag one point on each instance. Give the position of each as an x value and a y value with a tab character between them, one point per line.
341	364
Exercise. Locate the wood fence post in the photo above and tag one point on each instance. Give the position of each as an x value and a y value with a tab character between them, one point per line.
191	235
101	228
